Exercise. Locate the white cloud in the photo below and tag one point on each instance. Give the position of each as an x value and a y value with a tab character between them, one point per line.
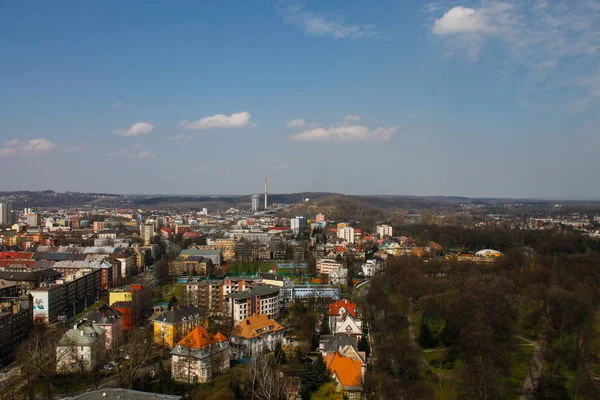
321	25
355	133
296	123
352	117
235	120
143	154
118	104
76	149
32	146
139	128
557	42
38	145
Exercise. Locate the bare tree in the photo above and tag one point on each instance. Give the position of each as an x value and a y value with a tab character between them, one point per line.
137	350
264	380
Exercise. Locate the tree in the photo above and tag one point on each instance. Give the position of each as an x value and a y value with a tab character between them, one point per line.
325	325
312	377
328	391
363	345
279	354
264	380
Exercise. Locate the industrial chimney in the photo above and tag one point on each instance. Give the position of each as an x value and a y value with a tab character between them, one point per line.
266	193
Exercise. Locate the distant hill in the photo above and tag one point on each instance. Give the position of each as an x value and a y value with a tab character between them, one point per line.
337	207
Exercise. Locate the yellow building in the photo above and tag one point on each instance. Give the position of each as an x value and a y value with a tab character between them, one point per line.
171	326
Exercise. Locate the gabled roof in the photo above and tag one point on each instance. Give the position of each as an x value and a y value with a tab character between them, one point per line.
347	370
199	338
255	326
334	308
177	315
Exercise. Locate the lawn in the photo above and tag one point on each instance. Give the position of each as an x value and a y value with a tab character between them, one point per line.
249	268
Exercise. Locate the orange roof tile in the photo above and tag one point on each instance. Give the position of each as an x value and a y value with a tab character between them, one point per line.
334	308
255	326
199	338
347	370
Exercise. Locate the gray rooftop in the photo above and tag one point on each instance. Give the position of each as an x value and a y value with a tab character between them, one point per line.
256	291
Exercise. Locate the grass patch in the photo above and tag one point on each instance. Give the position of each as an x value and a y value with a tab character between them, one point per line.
249	268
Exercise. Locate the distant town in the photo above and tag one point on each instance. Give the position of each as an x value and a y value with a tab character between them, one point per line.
277	298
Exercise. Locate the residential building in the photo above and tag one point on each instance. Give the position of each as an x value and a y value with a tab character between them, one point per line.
347	373
212	294
273	279
326	265
346	233
259	300
172	325
147	233
339	276
255	202
320	218
78	349
26	279
255	335
384	231
33	219
65	297
199	356
6	216
370	267
309	291
16	319
216	256
298	224
192	265
111	320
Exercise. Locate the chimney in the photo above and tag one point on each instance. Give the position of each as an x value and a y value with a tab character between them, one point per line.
266	191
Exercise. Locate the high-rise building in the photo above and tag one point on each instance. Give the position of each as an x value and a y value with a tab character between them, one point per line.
384	230
255	202
147	233
320	218
160	222
6	214
297	224
346	233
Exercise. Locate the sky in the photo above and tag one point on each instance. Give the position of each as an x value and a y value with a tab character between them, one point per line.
480	99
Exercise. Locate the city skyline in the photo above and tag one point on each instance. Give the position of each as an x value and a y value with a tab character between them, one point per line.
473	99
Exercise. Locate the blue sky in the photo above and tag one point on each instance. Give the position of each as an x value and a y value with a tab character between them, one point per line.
493	99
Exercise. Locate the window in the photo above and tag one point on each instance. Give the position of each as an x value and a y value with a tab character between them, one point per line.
351	395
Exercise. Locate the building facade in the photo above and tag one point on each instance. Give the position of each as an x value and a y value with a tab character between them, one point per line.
255	335
259	300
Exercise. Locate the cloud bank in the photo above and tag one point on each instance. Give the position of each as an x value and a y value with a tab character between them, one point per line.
139	128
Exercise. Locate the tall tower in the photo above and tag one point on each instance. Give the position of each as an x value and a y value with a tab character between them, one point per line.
266	193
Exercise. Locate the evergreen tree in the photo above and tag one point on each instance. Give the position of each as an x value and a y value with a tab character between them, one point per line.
312	377
325	325
426	338
363	345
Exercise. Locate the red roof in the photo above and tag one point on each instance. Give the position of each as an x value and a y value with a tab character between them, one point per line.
334	308
166	230
15	255
279	228
340	249
191	234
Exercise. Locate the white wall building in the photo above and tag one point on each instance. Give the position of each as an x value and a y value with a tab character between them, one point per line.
5	214
326	265
78	349
297	224
346	233
384	230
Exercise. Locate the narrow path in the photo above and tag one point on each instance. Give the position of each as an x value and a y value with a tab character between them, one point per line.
535	369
